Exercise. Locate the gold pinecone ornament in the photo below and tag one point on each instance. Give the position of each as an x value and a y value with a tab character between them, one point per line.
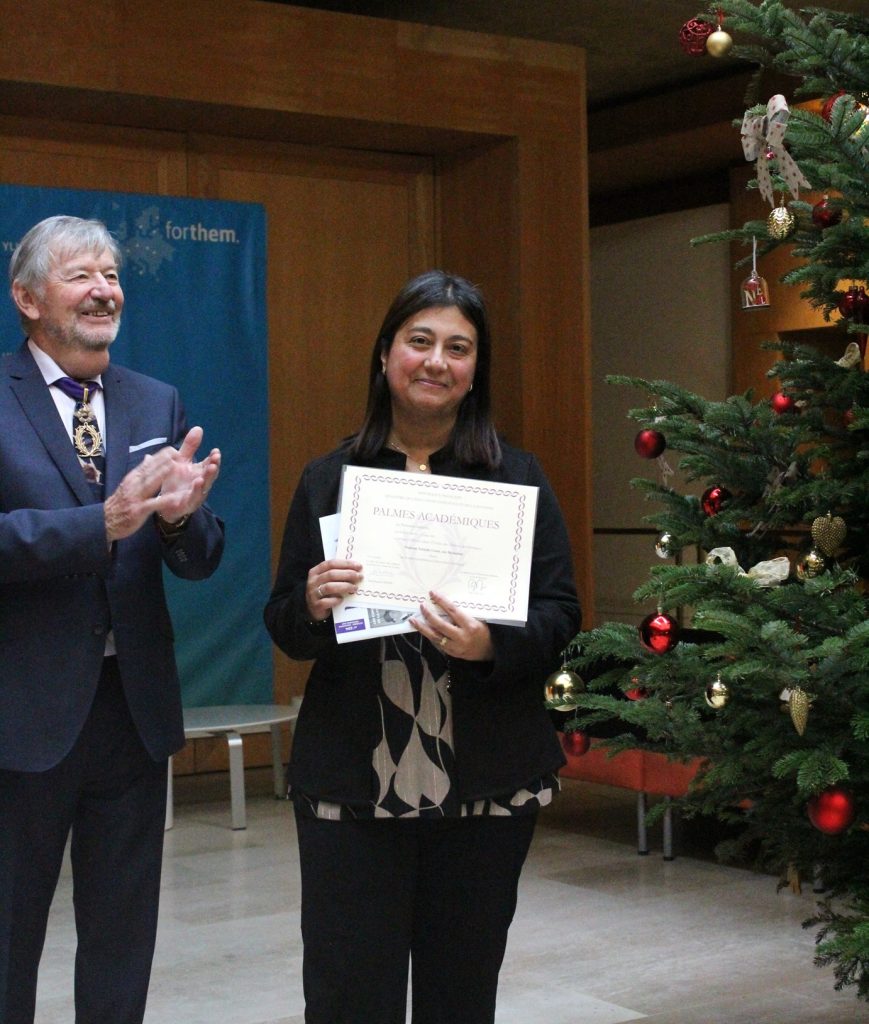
798	706
780	222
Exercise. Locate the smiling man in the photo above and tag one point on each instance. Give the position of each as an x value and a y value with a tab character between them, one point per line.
98	489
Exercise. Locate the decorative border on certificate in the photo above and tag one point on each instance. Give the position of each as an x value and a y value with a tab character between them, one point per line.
413	533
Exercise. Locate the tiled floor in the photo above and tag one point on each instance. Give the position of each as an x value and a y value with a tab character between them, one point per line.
601	935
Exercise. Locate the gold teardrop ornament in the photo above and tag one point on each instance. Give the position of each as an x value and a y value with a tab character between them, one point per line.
798	706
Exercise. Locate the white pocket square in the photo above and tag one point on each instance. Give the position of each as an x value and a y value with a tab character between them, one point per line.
148	444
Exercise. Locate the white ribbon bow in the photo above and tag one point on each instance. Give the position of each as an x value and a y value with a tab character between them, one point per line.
764	574
768	131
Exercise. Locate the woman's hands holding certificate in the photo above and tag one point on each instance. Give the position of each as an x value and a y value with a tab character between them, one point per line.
453	631
328	584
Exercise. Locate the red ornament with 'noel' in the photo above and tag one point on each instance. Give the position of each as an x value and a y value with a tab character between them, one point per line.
832	811
854	304
659	632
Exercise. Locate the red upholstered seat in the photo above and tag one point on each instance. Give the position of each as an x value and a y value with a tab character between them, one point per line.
624	770
638	770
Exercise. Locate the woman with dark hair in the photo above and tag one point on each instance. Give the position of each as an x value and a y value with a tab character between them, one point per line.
419	760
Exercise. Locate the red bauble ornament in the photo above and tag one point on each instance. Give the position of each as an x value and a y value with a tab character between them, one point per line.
827	108
714	499
659	632
832	811
848	417
825	215
649	444
693	36
575	744
781	402
636	692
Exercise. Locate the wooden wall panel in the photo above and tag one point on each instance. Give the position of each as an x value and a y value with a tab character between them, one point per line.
494	202
302	61
555	325
54	155
478	239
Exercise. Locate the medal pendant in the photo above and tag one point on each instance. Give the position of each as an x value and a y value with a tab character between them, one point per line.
83	412
87	440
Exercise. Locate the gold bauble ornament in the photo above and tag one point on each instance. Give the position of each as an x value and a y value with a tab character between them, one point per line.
780	222
812	565
717	694
828	532
564	686
719	43
798	706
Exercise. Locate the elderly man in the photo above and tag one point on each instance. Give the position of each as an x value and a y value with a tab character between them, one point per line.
98	489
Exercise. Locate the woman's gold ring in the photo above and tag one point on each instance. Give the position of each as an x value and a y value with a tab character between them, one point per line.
444	641
320	592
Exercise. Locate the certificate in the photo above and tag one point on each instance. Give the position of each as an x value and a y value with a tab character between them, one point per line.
471	540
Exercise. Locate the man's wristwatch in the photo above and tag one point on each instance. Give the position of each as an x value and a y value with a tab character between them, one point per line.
168	529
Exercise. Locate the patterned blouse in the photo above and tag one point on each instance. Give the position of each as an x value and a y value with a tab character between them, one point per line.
414	762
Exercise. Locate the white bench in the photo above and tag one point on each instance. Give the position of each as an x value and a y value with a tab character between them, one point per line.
233	721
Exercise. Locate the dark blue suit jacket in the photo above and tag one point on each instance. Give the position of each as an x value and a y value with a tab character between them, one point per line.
62	589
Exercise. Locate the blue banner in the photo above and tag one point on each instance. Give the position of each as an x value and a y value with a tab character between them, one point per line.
194	280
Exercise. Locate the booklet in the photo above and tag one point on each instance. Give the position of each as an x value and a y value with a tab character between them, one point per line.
354	622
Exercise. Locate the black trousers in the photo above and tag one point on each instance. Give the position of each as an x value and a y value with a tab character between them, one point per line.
441	893
112	797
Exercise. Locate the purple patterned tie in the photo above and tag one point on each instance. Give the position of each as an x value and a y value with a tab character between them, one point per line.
86	436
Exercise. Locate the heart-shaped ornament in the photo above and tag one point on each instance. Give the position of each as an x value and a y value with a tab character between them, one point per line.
828	532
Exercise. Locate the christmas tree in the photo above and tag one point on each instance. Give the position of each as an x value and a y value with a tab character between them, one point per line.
757	661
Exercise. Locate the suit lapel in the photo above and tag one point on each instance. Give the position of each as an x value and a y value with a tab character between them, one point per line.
28	385
117	428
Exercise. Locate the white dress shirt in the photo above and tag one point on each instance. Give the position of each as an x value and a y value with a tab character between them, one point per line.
65	408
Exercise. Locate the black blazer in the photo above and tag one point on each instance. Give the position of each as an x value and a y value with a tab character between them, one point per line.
502	733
